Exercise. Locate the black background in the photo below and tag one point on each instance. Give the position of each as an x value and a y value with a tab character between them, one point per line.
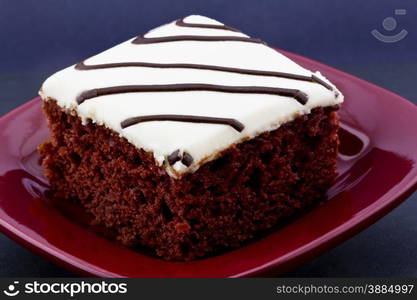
40	37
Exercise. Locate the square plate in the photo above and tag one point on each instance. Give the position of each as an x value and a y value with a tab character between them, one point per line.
377	170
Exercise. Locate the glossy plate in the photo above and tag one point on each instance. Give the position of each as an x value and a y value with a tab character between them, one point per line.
377	170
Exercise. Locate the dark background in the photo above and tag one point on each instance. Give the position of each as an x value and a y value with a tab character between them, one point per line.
39	37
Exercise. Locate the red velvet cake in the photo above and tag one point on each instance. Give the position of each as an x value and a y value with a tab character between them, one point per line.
190	139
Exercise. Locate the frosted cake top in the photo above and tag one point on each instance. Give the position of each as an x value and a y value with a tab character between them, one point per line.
189	89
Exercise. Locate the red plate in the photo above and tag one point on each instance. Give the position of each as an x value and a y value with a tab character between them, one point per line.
377	171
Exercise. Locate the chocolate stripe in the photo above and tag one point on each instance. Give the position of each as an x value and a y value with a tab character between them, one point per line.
143	40
183	118
322	82
181	23
187	159
82	67
296	94
174	157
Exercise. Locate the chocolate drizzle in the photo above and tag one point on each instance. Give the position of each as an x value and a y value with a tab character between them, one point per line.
185	158
181	23
235	124
174	157
204	38
141	39
322	82
181	87
82	66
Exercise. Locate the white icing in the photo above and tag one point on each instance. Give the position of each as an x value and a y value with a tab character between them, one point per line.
258	112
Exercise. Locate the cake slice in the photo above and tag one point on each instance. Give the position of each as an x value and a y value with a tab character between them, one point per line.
190	139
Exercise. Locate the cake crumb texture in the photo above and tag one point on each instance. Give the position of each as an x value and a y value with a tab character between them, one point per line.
249	188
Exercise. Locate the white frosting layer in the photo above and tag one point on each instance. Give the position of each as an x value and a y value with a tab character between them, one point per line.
258	112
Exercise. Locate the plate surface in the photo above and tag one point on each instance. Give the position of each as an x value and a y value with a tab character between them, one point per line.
377	170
